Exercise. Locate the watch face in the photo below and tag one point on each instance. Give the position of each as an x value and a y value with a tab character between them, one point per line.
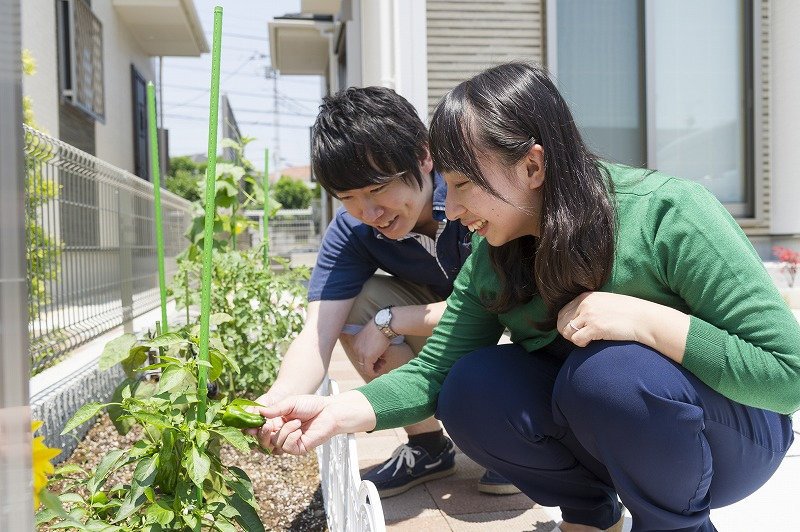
383	317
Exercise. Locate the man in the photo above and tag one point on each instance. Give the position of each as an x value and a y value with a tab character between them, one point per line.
370	151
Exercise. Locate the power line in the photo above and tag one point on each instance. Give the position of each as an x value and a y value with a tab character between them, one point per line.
242	109
239	93
244	122
260	76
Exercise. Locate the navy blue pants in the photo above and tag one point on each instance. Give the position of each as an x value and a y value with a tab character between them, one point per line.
578	427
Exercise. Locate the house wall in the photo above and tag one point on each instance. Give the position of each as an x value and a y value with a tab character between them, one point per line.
785	113
38	36
467	37
115	138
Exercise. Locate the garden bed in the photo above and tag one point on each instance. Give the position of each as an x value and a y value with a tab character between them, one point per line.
286	487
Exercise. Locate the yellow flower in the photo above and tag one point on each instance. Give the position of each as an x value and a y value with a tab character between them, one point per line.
42	454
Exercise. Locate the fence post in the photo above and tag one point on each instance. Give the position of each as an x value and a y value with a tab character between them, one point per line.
16	505
125	231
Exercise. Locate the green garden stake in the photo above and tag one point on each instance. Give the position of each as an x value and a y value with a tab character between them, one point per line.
266	207
155	172
208	235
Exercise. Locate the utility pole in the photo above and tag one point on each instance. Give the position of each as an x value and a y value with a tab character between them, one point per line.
273	74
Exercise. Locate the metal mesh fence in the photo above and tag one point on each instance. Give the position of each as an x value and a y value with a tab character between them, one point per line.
290	230
90	245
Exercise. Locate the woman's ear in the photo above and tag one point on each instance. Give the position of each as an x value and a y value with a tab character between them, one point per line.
426	163
534	165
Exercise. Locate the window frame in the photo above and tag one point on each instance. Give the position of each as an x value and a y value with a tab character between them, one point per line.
749	212
68	58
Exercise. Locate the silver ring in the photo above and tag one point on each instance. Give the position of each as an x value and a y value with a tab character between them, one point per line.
573	326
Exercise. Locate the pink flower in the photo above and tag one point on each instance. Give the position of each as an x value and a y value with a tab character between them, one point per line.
790	263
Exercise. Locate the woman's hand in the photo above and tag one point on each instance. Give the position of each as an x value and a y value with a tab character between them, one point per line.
300	423
271	397
600	316
607	316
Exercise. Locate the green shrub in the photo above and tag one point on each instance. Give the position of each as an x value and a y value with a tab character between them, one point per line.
177	456
267	310
292	194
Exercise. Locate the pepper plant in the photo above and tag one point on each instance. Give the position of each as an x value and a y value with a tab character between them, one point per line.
266	306
177	455
236	188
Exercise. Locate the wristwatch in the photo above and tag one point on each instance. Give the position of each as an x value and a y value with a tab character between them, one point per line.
383	320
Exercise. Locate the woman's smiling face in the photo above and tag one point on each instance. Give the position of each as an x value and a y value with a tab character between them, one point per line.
499	220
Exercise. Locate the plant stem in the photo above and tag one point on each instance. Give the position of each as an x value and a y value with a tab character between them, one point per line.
155	171
208	240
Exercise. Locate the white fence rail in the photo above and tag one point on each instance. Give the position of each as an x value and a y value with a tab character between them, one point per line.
351	504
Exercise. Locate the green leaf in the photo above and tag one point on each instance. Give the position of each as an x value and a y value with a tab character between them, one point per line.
145	390
167	476
70	498
241	483
104	468
230	361
70	469
44	516
173	378
234	437
132	502
145	471
219	318
198	465
53	503
134	362
223	525
116	351
166	340
115	412
215	364
248	516
161	513
215	343
158	421
190	520
84	414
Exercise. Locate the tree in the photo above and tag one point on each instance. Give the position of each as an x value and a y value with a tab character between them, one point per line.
292	194
184	176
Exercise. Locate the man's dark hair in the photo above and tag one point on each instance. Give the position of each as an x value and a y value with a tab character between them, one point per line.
367	136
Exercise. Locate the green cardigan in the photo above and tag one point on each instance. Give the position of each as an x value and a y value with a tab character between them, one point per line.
676	246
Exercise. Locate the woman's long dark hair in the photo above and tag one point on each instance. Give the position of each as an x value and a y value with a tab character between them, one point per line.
504	111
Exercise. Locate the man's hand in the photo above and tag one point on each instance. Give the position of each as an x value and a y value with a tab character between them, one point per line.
370	344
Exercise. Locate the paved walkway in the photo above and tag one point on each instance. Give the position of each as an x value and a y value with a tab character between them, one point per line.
454	503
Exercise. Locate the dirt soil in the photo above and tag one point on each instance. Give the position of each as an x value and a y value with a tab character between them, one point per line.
286	487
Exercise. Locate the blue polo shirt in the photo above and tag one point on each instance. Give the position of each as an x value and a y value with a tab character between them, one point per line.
352	251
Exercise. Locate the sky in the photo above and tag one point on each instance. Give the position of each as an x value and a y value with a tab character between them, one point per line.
243	63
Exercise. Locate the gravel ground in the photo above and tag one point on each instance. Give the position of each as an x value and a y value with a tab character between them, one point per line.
286	487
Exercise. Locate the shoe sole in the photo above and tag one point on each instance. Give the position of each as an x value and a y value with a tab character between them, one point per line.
391	492
498	489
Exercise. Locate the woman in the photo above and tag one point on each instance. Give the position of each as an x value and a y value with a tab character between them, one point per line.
652	358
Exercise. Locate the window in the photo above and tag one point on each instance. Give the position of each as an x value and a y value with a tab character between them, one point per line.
141	166
80	35
668	85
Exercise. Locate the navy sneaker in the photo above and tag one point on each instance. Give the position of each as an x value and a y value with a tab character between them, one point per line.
496	484
409	466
